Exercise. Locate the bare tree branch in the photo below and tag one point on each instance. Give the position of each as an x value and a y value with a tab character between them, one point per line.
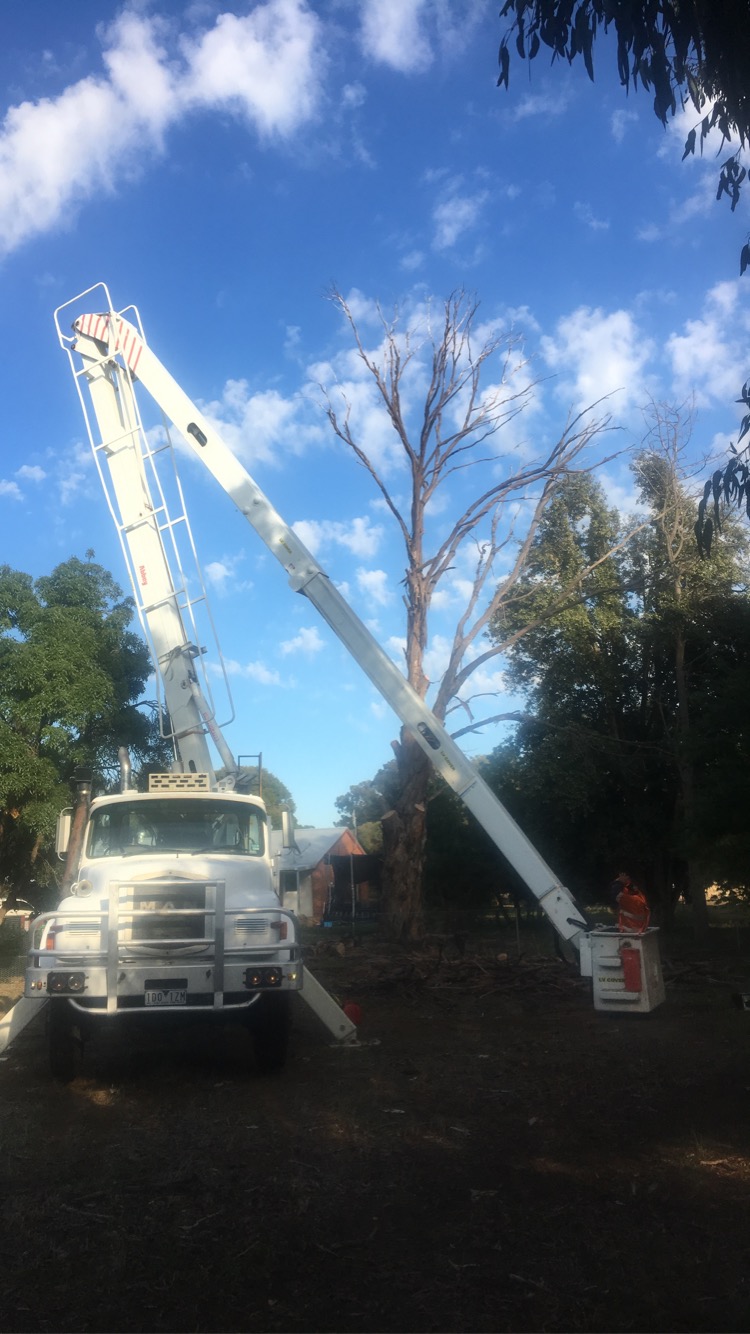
457	419
495	718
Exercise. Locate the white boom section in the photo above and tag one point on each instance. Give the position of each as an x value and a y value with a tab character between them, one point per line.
142	521
116	344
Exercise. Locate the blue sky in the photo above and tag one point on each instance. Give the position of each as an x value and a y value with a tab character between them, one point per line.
219	166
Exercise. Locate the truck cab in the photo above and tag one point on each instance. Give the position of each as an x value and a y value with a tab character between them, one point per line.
172	909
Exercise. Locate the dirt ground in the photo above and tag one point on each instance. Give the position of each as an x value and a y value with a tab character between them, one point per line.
495	1156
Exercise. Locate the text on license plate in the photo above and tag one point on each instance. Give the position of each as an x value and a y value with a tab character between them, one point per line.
166	996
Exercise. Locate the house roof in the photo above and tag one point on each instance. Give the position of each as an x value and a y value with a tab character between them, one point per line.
312	846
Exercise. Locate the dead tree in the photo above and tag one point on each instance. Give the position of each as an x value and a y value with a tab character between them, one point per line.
440	358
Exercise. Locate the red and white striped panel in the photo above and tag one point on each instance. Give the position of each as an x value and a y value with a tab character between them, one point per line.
93	326
129	342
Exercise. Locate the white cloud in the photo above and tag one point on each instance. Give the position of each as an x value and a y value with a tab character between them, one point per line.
293	335
222	576
708	354
650	233
353	390
486	680
353	95
719	448
254	671
358	536
10	489
392	34
364	308
267	65
308	641
217	573
75	475
540	104
71	486
453	592
620	489
396	648
375	584
585	214
676	130
456	215
262	427
596	353
31	472
619	123
265	676
698	173
57	152
436	657
407	34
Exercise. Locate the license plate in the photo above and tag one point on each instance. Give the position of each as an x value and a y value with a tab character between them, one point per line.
166	996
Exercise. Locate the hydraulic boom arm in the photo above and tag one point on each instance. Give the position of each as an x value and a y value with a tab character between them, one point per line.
138	506
114	354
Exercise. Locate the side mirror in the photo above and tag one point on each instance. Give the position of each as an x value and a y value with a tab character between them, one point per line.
62	832
287	829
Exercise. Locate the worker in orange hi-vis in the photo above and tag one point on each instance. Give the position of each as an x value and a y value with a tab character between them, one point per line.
633	910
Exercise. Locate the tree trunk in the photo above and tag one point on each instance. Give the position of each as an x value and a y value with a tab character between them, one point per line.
686	801
404	844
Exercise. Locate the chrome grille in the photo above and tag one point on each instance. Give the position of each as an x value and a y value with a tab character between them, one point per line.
251	926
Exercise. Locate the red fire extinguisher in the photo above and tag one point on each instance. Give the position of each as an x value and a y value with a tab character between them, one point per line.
631	966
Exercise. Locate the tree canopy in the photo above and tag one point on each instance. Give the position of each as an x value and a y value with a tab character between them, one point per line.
635	751
71	675
369	800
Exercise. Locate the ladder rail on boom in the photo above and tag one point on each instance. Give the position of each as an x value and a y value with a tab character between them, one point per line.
192	608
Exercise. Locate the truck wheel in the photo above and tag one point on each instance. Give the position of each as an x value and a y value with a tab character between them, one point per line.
270	1033
64	1042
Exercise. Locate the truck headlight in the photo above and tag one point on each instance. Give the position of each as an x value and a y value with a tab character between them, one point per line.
66	983
255	978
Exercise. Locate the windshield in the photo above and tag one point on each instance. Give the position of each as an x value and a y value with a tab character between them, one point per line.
176	825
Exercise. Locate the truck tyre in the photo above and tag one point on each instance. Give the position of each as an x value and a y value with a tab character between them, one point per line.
270	1024
64	1042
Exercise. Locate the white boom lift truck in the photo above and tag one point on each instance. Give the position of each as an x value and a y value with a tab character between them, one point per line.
171	905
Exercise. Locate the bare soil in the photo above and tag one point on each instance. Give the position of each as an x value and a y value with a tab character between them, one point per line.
495	1156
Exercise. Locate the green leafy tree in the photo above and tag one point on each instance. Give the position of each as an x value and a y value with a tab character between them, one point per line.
369	800
562	777
265	784
71	675
363	806
688	612
629	688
